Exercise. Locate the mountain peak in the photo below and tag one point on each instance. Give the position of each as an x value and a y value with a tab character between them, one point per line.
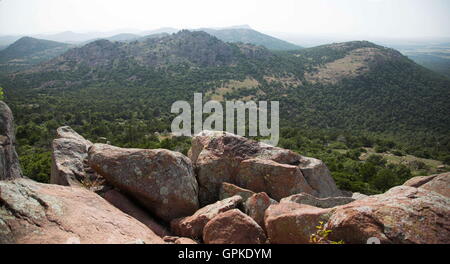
245	34
39	49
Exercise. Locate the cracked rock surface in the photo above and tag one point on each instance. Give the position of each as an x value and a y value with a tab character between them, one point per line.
32	212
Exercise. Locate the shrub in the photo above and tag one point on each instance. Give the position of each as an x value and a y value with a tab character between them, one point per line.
381	149
321	236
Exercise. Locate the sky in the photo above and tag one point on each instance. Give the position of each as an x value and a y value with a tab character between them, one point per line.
372	18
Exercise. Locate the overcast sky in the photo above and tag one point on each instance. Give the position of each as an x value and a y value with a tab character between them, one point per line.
375	18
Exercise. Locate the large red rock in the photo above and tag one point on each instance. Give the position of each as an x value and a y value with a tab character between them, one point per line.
318	177
233	227
224	157
127	206
9	162
256	206
192	226
276	179
402	215
439	183
292	223
51	214
419	181
163	181
69	156
68	132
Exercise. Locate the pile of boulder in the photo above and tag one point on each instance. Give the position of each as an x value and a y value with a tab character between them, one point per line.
228	190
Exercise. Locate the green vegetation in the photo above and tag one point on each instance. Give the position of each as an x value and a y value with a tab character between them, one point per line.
354	165
123	92
321	236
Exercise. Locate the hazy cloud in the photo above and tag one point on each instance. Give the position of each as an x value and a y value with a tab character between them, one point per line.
386	18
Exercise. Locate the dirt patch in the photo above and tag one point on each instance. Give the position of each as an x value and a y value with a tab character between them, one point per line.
286	81
230	86
355	63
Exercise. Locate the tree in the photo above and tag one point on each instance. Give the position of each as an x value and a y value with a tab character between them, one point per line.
384	180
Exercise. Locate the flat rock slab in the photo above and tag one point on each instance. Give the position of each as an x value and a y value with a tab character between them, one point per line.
35	213
127	206
304	198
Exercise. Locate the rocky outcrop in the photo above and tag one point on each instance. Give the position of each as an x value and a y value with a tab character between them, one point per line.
304	198
233	227
223	157
162	181
9	162
439	183
402	215
69	157
50	214
127	206
243	172
256	206
192	226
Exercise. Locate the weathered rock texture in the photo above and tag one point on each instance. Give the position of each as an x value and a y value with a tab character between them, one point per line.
256	206
32	212
293	223
223	157
127	206
304	198
358	196
233	227
439	183
402	215
161	180
192	226
228	190
69	156
9	162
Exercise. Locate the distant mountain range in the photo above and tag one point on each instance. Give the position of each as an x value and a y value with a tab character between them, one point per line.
353	85
248	35
242	34
432	56
28	51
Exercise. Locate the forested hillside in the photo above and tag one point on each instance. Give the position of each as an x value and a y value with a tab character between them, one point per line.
27	52
338	101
